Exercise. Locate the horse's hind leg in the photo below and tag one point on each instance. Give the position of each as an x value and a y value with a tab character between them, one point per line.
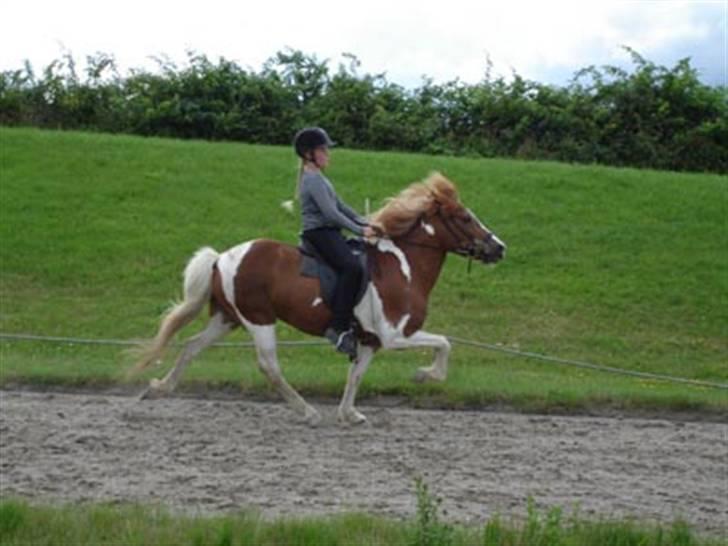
216	328
265	344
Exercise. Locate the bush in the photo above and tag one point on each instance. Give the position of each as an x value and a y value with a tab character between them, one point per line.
652	117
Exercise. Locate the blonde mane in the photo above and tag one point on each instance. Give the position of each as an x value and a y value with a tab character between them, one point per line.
398	215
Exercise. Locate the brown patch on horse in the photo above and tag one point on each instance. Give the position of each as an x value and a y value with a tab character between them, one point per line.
268	286
401	297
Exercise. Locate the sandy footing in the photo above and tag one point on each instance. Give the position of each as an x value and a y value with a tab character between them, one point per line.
204	456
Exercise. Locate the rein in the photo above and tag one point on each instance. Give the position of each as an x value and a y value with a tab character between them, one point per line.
466	251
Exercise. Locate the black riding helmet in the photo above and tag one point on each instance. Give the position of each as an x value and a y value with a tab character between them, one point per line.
310	138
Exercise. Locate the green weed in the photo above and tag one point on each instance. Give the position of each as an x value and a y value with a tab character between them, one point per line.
429	530
22	523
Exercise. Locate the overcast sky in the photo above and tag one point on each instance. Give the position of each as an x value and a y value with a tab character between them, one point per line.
546	41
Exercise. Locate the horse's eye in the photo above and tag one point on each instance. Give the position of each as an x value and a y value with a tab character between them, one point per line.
467	219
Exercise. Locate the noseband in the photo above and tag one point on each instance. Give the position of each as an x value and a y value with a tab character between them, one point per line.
469	247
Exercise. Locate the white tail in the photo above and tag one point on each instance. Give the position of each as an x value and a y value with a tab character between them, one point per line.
197	288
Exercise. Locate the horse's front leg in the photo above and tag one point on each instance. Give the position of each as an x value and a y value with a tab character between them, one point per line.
347	412
438	370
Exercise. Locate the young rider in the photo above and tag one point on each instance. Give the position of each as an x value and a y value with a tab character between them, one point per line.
324	215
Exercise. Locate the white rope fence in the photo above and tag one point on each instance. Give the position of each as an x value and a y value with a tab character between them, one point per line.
454	340
134	342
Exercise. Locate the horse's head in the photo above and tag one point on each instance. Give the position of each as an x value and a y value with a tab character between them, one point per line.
434	206
461	232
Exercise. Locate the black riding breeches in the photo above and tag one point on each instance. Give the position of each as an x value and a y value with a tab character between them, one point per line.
331	245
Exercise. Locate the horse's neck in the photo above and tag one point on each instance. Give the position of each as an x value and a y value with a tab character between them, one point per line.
425	263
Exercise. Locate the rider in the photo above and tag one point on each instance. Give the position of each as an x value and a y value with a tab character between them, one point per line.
324	215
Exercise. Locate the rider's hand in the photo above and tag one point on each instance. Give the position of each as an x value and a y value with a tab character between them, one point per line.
369	232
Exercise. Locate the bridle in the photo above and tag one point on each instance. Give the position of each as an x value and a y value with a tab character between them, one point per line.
464	245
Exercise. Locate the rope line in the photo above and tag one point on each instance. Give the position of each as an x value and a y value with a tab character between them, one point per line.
453	339
589	366
134	342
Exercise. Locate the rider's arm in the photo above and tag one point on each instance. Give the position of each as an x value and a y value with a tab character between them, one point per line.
326	200
351	213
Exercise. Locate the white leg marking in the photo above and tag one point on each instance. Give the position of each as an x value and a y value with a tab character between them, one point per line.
265	344
216	328
438	370
347	412
264	335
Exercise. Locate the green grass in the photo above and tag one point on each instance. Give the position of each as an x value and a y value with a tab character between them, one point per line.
619	267
22	523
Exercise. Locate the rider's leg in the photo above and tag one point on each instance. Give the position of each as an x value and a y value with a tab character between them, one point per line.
332	246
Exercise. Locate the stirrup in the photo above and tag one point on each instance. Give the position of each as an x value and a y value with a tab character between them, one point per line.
345	342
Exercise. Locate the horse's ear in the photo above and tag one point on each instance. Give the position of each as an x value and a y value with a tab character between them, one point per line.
449	192
441	187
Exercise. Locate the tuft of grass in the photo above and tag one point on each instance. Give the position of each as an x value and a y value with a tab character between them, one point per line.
619	267
12	518
550	528
23	523
429	530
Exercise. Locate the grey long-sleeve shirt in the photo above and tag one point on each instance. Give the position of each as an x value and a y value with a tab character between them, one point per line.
321	207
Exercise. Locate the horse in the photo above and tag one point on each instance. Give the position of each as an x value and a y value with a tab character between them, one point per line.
256	283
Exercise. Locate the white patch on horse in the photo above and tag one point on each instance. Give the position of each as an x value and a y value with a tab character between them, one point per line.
438	370
497	240
429	228
264	337
482	225
317	302
228	265
370	313
386	245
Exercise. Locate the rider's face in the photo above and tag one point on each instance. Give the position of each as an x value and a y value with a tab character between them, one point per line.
321	156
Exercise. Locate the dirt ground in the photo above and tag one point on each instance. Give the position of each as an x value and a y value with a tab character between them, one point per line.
205	456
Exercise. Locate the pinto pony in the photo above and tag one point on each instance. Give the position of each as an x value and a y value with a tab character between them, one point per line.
258	282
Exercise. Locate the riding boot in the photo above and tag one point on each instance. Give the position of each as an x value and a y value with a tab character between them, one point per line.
345	342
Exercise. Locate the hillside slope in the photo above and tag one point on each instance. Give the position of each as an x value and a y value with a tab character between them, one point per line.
623	267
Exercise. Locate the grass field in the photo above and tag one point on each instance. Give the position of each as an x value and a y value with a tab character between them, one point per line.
620	267
82	525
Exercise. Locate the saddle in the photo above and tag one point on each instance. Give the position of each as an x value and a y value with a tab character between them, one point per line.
313	265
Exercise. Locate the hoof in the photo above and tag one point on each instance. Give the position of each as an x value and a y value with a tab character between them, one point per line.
147	394
312	418
153	391
352	418
424	375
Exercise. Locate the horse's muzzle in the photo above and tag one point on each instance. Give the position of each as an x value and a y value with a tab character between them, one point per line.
489	250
